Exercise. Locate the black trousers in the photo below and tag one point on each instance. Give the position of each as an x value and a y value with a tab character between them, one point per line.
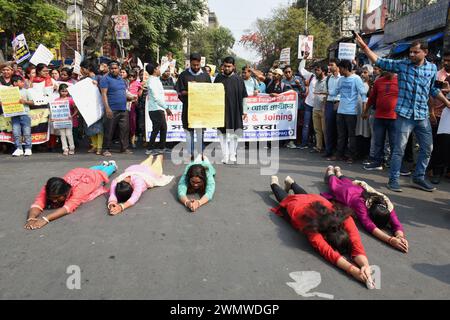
346	128
281	194
442	156
121	121
159	126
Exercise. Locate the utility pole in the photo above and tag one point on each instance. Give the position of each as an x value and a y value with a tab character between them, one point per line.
306	19
361	14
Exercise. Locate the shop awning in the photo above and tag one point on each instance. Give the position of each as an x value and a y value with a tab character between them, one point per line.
404	45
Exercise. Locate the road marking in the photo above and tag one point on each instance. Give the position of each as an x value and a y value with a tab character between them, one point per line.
305	281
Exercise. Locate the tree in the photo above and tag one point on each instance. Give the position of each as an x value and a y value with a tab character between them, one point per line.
279	31
214	43
40	21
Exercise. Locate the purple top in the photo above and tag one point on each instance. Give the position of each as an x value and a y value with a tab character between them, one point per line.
345	192
138	183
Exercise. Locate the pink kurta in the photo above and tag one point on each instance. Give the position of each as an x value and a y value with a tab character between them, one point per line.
87	184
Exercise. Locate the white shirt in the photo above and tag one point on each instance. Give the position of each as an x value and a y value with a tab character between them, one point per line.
444	124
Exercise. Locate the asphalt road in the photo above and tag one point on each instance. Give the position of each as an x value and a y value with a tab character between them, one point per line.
233	248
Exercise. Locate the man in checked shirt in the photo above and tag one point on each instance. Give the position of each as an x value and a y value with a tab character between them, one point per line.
416	78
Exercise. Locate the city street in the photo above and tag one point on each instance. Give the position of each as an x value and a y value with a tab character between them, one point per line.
233	248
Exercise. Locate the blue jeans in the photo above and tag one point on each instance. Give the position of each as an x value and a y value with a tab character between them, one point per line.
21	125
331	128
403	129
380	128
109	170
306	124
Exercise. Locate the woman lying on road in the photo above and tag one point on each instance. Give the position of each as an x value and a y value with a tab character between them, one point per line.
331	231
373	209
129	186
66	194
198	178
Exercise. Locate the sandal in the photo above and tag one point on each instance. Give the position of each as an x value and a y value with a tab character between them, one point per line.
107	154
66	153
92	150
99	152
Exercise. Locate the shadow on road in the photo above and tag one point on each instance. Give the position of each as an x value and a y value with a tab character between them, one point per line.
441	273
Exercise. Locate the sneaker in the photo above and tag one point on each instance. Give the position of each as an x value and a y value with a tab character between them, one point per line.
150	152
394	186
366	162
303	147
288	183
225	159
105	163
28	152
113	163
233	158
405	172
18	153
373	166
291	145
423	185
436	179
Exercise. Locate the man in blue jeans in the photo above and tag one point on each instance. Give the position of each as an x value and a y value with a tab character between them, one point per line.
416	79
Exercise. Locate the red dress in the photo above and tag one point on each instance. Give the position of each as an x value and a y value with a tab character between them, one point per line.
298	207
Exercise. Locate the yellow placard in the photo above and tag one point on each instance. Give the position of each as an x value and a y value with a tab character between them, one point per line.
10	97
206	105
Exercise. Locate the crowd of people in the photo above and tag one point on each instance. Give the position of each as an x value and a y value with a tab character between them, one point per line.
390	106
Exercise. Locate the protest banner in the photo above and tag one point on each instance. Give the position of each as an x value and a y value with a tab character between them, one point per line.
305	44
76	63
39	127
285	56
206	105
347	51
20	49
121	27
175	131
88	100
42	55
60	115
10	98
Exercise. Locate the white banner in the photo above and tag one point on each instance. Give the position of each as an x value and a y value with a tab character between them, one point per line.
347	51
42	55
268	119
285	55
88	100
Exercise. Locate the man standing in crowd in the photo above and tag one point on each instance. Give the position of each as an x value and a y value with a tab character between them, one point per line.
167	80
7	73
331	109
416	81
156	109
384	96
235	92
250	83
193	74
320	96
350	87
297	83
114	96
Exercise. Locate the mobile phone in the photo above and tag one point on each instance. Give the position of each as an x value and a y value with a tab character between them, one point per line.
354	34
439	84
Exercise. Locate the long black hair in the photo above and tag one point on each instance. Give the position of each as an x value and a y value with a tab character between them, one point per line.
378	210
197	170
329	223
124	190
56	187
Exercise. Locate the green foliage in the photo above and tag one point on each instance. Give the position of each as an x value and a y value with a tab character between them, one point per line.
327	11
212	43
282	31
40	21
154	23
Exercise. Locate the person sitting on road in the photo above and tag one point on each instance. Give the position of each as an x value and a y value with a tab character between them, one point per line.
373	209
198	177
329	229
129	186
78	186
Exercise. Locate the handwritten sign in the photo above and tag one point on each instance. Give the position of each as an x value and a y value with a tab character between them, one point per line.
60	115
10	98
347	51
206	105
